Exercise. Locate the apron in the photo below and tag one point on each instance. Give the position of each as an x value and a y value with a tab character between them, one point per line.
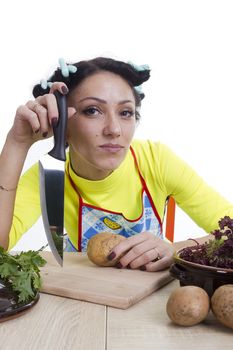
93	220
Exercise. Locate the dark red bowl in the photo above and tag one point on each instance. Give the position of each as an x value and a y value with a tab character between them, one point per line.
206	277
9	305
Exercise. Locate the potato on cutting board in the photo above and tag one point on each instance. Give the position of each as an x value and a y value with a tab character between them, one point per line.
100	246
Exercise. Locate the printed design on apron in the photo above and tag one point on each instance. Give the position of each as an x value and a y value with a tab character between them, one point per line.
93	220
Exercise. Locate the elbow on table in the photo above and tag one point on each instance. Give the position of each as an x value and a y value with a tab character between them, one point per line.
4	241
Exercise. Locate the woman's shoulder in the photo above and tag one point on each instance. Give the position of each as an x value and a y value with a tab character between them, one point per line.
153	155
149	148
31	172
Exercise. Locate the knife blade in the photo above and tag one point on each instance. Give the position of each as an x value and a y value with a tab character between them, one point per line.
52	175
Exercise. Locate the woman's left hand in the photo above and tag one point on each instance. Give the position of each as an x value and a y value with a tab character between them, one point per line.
144	251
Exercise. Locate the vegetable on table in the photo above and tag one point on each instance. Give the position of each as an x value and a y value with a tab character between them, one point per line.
222	304
217	252
188	305
21	272
100	245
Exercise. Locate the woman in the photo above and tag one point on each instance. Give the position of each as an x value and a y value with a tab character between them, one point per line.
113	183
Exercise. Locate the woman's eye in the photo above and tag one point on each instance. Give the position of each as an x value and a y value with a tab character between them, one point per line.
127	113
91	111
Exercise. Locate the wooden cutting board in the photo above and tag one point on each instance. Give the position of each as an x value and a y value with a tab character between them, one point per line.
80	279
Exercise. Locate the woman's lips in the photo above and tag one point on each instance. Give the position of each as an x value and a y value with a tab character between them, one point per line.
112	148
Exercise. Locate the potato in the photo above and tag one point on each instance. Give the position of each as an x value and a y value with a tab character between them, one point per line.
222	304
99	247
188	305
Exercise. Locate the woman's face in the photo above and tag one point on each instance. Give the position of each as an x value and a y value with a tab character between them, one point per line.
100	133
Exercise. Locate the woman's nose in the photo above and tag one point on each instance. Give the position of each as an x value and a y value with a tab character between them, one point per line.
112	126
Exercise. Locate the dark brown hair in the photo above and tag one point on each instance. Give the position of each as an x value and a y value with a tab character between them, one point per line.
128	72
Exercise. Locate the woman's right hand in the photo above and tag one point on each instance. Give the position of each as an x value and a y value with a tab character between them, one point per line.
34	120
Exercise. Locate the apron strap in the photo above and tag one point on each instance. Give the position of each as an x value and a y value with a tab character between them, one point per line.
146	189
170	217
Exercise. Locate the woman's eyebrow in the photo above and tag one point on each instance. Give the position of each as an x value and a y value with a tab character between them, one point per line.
125	101
92	98
102	101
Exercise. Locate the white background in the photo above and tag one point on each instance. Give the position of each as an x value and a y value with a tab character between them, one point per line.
188	45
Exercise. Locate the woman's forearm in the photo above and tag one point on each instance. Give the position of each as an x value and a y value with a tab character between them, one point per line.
191	242
12	159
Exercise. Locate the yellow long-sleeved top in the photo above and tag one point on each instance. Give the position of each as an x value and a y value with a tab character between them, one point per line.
164	173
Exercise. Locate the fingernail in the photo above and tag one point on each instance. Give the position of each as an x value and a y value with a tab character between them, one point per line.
45	134
143	268
119	265
111	256
54	122
64	90
36	131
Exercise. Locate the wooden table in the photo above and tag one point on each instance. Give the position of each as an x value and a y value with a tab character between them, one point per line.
57	323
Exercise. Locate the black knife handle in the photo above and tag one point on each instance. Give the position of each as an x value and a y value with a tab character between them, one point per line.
59	131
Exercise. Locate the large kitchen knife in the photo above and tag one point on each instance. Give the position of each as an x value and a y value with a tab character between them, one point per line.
51	170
